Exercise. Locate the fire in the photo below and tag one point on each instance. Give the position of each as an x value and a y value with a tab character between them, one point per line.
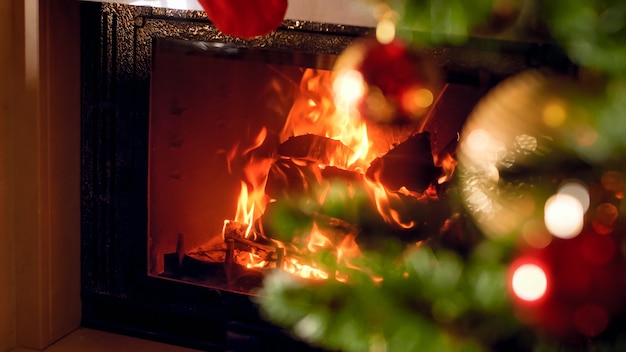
317	240
384	200
324	107
255	261
252	200
245	209
304	271
448	164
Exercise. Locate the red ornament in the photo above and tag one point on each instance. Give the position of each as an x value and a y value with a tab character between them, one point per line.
585	285
245	18
401	84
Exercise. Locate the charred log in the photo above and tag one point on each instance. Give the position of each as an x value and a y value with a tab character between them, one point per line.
302	194
316	149
410	165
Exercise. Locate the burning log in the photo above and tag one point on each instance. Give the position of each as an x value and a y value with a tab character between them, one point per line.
304	194
317	149
300	190
410	165
233	233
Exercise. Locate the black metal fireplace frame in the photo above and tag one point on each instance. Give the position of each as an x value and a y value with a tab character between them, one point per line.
117	293
116	55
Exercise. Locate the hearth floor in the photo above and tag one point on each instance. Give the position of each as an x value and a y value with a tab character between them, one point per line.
89	340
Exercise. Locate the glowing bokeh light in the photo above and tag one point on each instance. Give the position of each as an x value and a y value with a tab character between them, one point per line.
613	181
529	282
605	217
554	114
578	190
564	216
478	141
385	31
349	87
535	234
421	97
586	137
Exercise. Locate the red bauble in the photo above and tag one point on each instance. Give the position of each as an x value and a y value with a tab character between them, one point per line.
401	83
586	285
245	18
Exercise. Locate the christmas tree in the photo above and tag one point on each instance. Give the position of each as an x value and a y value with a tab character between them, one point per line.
530	253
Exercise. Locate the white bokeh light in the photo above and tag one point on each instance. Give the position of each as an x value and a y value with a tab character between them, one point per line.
529	282
477	141
577	190
564	216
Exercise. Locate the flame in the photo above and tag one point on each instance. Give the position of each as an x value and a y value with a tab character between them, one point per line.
317	240
245	209
326	107
448	164
292	265
384	200
252	199
254	261
348	248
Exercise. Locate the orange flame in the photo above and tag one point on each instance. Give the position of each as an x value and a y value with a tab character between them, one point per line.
255	261
384	200
448	164
324	106
292	265
317	240
316	112
245	209
252	199
348	248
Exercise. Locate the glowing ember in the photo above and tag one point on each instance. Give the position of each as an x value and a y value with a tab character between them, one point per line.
293	266
254	261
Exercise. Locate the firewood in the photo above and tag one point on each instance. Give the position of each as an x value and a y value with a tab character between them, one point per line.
410	164
318	149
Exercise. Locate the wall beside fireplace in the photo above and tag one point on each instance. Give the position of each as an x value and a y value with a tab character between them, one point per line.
39	172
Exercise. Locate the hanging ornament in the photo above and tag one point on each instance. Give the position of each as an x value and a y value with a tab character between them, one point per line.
535	170
572	288
528	135
245	18
398	85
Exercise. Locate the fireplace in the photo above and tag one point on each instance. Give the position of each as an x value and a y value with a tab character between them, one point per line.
168	103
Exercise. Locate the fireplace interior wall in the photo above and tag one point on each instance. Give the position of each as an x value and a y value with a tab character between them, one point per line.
218	104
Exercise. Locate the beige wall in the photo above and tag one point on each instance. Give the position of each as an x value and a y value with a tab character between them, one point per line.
7	246
39	172
348	12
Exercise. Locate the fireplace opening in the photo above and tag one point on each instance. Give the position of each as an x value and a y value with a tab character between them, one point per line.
257	163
